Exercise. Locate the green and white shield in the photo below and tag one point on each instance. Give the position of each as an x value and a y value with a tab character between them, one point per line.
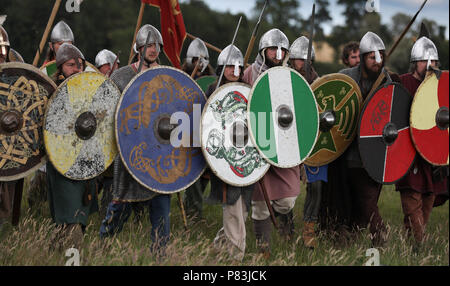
283	116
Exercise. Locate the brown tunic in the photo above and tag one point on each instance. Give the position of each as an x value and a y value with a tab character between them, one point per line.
279	183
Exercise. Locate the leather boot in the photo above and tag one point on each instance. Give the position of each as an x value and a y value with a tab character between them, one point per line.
263	229
309	235
286	225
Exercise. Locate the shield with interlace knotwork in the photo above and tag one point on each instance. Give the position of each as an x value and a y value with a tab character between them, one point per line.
157	129
24	92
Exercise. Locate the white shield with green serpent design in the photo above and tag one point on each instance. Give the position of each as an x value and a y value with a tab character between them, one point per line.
225	141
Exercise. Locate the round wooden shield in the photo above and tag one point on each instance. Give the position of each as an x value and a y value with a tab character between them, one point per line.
157	129
224	137
24	92
385	144
205	81
430	119
339	101
50	68
79	126
283	116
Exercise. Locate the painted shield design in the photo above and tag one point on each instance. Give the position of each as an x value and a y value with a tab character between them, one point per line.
339	101
283	116
157	129
79	126
430	119
50	68
24	93
225	141
205	81
385	144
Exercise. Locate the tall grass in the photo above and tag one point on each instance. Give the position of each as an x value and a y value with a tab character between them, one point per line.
30	242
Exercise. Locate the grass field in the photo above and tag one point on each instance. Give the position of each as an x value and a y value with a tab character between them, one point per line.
28	243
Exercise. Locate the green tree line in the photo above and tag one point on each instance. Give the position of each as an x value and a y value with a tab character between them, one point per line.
110	24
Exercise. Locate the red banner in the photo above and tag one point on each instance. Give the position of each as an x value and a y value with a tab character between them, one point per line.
173	30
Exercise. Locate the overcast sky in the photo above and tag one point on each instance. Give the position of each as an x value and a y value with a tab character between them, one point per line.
434	9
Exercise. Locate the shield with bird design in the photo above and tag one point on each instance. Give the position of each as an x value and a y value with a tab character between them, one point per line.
339	101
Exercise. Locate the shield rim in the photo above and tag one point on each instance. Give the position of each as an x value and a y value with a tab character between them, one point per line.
366	103
44	159
117	135
411	119
318	83
45	121
54	61
205	153
251	131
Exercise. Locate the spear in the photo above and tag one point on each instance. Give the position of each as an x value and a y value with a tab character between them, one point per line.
143	54
114	64
46	32
381	76
311	35
423	31
138	25
229	53
253	38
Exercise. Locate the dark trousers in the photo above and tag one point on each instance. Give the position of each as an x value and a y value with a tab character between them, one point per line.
312	201
365	193
119	212
193	198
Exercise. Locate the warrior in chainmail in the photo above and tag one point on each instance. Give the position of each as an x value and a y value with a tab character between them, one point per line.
61	34
127	190
351	196
197	57
315	177
235	200
71	202
282	185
